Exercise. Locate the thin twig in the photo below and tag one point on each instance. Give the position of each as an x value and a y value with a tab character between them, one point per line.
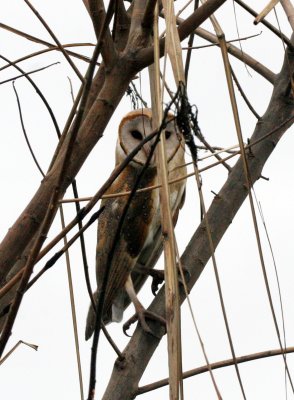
239	40
40	94
43	42
242	56
71	90
112	343
28	73
214	152
52	261
245	98
216	365
138	94
216	44
264	22
51	33
25	133
33	346
53	48
236	52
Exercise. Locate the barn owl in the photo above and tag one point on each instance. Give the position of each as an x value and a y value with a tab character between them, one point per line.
140	243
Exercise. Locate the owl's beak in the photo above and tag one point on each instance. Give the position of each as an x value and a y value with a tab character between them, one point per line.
147	150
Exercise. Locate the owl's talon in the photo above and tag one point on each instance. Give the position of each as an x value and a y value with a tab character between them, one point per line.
157	279
141	317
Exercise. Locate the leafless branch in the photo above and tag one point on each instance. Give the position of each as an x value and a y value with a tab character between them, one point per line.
228	41
59	45
264	22
43	42
216	365
244	95
96	11
242	56
38	91
25	133
28	73
53	48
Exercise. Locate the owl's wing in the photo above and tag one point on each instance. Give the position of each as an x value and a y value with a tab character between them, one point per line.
119	270
132	239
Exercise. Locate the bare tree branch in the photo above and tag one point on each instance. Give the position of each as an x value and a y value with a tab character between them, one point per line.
96	11
41	41
264	22
71	63
37	53
216	365
145	56
241	55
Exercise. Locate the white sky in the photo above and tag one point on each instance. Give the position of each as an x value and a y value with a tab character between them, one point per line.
45	317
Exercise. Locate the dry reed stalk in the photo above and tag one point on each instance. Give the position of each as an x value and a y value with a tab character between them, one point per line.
228	71
267	9
171	275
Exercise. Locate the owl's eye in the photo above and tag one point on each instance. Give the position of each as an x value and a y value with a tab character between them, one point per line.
167	134
137	135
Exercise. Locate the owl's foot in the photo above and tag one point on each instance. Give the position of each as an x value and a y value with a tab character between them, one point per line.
141	316
158	277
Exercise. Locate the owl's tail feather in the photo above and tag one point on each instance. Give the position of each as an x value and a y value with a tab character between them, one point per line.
114	315
91	318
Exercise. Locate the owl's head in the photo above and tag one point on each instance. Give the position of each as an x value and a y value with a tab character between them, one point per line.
135	126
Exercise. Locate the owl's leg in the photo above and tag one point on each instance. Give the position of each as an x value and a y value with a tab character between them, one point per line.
141	313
